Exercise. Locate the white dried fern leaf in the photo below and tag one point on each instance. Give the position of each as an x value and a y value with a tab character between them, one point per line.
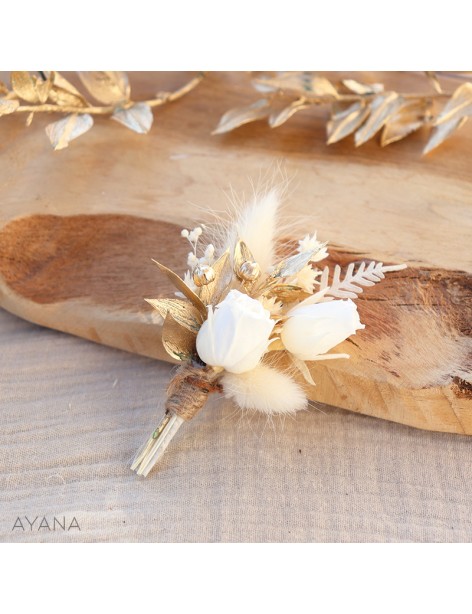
352	283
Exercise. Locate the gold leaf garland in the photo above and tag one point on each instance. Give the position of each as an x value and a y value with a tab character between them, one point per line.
52	93
356	108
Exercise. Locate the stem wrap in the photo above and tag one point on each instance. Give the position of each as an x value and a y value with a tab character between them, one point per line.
189	389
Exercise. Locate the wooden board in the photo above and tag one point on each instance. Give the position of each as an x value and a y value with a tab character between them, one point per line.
97	212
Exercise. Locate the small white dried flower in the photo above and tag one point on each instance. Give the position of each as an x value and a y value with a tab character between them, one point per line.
306	278
272	305
210	251
194	235
192	260
184	233
310	244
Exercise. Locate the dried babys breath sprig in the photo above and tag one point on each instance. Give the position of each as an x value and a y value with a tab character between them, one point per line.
50	92
238	307
358	109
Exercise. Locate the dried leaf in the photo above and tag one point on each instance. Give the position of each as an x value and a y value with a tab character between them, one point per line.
291	266
459	105
434	81
182	287
243	115
409	117
64	94
276	346
29	87
346	122
24	86
8	106
223	273
322	87
304	369
443	132
62	132
362	88
183	312
43	88
108	87
138	118
277	119
300	82
3	88
178	341
382	107
288	293
242	254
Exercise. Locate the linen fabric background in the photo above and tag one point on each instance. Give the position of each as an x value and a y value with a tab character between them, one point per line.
74	413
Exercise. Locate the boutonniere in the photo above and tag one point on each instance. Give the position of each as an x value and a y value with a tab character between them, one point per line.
243	321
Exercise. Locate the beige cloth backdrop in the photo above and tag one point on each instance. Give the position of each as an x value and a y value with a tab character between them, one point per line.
73	413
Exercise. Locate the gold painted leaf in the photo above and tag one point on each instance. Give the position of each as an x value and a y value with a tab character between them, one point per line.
242	254
138	118
279	118
288	293
292	265
8	106
223	274
178	341
24	86
108	87
29	87
29	119
362	88
459	105
320	86
409	117
243	115
62	132
443	132
183	312
434	80
276	345
344	123
64	94
182	287
300	82
381	109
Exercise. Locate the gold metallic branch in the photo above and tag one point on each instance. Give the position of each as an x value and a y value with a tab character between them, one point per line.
52	93
160	99
358	109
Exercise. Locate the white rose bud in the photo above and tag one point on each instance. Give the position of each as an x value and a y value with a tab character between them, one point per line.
312	330
235	336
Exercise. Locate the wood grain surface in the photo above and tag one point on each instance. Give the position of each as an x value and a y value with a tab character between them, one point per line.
87	220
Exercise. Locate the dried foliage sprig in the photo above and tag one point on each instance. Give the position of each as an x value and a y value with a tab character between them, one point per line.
356	108
239	309
50	92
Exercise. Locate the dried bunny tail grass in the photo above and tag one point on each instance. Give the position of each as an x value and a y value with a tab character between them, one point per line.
266	390
254	219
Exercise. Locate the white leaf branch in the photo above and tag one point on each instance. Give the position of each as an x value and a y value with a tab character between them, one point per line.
353	281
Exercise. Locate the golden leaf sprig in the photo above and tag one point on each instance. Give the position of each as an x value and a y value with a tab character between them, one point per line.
358	109
50	92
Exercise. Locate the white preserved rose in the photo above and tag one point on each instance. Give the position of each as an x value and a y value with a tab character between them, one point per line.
236	334
311	330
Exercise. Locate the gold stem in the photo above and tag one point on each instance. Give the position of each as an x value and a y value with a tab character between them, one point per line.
161	99
359	97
